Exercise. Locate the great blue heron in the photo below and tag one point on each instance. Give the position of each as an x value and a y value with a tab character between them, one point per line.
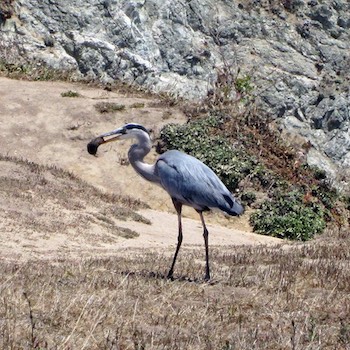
187	180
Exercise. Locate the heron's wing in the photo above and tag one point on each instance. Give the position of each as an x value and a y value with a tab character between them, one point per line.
192	182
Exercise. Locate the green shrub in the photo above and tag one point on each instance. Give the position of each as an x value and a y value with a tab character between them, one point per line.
137	105
244	85
326	194
320	174
109	107
70	93
288	216
346	200
248	198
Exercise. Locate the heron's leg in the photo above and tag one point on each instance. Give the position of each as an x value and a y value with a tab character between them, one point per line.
205	235
178	207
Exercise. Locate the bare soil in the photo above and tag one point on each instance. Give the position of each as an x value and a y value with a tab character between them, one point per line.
49	214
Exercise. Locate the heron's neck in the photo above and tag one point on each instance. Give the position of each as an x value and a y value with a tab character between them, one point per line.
136	154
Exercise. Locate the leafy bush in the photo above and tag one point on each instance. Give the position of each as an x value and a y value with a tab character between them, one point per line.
346	200
288	216
326	194
109	107
70	93
248	198
244	85
319	174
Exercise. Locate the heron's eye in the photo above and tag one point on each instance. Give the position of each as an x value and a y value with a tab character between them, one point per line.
123	131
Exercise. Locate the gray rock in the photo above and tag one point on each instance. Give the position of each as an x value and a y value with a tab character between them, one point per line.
323	14
297	53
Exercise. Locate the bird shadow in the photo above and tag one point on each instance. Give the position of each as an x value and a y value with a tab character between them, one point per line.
160	276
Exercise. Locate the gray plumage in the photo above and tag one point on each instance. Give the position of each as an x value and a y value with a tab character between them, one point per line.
187	180
193	183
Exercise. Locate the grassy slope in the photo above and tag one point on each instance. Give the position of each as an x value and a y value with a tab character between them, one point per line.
293	297
39	201
262	298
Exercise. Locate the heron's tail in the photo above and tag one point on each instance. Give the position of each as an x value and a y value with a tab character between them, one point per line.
232	207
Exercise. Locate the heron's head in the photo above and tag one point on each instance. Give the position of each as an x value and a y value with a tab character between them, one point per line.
127	131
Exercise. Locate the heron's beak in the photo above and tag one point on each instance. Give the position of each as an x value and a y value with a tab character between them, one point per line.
104	138
112	135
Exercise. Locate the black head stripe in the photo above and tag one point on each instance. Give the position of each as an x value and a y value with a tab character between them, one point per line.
135	126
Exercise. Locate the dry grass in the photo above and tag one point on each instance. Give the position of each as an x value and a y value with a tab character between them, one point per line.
70	93
283	297
32	175
260	298
40	203
109	107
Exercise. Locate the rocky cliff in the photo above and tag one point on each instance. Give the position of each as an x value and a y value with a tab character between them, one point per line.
295	53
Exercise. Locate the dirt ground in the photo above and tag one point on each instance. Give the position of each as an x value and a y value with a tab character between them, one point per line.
38	125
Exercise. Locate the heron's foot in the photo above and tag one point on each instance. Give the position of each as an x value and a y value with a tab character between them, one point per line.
207	278
170	276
